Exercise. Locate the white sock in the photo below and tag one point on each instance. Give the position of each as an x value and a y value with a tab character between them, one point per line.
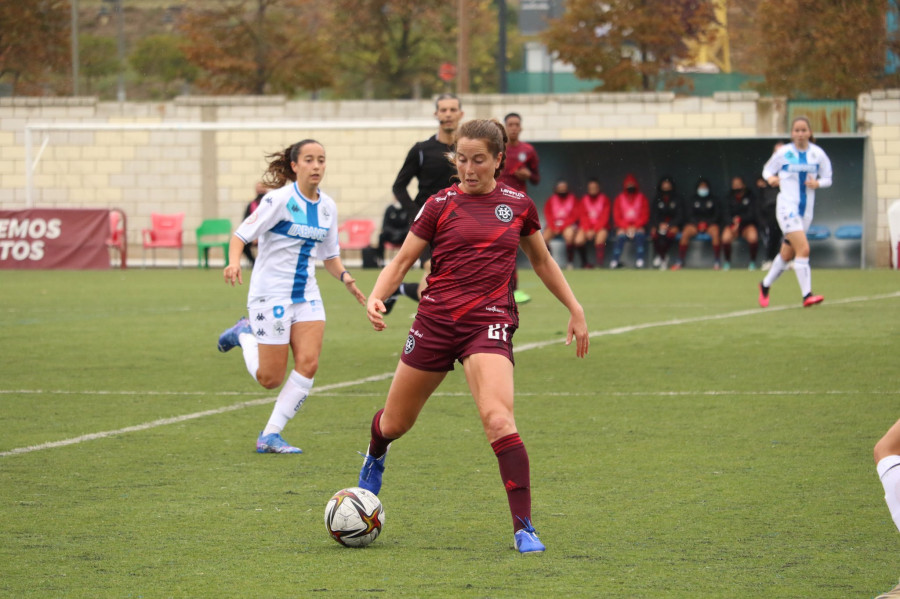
804	275
775	271
889	473
290	400
250	347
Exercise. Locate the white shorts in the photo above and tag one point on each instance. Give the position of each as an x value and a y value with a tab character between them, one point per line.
789	219
272	324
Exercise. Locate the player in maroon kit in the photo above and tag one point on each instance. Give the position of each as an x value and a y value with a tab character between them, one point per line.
467	312
519	168
593	223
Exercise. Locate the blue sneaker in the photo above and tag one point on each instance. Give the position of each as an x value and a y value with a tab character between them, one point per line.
229	339
273	443
527	540
370	473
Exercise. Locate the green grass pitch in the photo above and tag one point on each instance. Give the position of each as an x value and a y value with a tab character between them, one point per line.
705	448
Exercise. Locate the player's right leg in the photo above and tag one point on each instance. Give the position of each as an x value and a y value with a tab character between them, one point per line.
409	391
887	461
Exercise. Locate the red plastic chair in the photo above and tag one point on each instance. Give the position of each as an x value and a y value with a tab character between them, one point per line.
356	234
117	239
165	232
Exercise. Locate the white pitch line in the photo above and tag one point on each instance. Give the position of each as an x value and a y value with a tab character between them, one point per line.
177	419
681	321
386	375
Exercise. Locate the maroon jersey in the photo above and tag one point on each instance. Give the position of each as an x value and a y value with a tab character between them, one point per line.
517	155
474	240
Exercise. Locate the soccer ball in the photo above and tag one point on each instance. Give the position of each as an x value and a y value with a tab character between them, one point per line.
354	517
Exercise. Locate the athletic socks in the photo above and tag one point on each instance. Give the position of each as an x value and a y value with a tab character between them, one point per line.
250	348
775	271
727	248
290	399
717	251
804	275
582	252
600	253
379	444
754	248
514	471
661	246
889	473
410	290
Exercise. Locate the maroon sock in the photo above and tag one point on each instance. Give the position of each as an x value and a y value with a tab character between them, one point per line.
599	253
727	248
570	253
513	461
754	247
717	250
662	246
682	251
378	446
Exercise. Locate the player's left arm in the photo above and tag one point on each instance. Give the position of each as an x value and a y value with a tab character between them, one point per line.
550	274
824	176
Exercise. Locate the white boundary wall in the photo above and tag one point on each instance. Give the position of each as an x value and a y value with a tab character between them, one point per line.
187	166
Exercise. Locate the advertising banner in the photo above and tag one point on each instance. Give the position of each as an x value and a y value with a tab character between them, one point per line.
54	239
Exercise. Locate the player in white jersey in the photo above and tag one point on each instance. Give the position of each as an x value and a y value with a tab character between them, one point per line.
296	225
887	465
799	169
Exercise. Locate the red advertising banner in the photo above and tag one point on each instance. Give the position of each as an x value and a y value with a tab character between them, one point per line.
54	239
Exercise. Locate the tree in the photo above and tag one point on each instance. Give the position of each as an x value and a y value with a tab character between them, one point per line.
260	46
820	49
34	44
161	57
393	48
628	44
98	58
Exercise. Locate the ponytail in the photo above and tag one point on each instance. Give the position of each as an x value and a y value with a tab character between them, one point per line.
280	171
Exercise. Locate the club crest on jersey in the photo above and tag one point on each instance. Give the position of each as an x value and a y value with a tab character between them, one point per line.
503	213
410	344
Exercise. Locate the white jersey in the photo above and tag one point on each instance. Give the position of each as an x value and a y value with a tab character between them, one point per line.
793	168
293	233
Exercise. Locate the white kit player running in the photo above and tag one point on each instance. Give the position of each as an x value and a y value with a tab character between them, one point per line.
798	168
296	225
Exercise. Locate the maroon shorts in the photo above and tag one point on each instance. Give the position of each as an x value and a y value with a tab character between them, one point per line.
435	345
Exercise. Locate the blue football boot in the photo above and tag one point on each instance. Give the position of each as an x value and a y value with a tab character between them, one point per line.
370	474
273	443
527	540
229	339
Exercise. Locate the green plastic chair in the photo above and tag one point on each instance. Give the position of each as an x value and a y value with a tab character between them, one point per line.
209	235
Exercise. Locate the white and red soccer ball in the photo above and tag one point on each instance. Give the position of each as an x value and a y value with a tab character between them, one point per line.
354	517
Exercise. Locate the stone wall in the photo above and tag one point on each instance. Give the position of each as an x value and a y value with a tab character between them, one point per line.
878	114
208	174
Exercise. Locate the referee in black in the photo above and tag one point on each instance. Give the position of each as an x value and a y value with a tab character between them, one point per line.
427	161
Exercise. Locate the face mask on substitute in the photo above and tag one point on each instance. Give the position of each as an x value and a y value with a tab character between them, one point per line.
703	192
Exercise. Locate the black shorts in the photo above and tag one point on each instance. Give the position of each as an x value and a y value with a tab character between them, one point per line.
435	346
